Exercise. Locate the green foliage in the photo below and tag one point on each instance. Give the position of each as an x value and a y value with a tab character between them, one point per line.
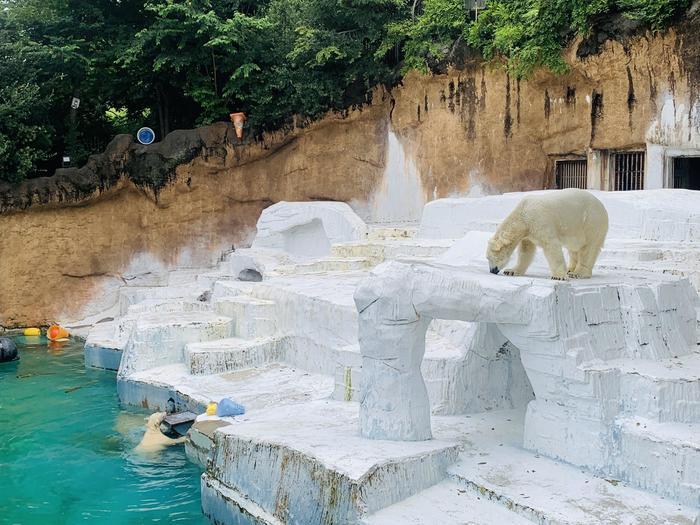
429	37
532	33
175	64
654	14
527	33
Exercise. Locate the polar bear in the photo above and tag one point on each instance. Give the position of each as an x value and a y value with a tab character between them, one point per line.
569	218
154	440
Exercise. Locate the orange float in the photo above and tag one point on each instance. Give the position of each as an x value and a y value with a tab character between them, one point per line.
238	120
57	333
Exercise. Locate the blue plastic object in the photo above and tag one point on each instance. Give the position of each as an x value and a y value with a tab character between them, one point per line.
146	136
228	407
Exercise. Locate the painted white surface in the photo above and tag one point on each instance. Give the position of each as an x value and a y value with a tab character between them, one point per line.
294	337
658	215
307	229
564	332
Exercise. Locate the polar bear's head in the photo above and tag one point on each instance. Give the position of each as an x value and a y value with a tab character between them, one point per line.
498	252
154	421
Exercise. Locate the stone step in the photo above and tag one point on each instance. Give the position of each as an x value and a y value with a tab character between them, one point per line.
318	307
647	251
384	233
272	385
378	251
183	276
252	317
226	355
207	280
165	305
664	391
548	492
106	341
661	457
159	338
132	295
277	458
447	503
325	265
104	346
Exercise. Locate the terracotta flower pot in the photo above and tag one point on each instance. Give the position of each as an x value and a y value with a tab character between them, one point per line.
238	120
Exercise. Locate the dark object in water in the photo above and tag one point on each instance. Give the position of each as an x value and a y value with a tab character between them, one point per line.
250	275
8	350
177	424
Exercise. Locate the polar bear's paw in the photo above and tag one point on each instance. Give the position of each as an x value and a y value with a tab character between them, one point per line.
560	278
512	272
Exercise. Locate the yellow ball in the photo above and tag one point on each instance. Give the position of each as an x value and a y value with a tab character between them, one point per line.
211	409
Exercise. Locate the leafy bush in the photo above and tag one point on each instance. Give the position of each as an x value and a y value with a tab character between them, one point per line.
528	34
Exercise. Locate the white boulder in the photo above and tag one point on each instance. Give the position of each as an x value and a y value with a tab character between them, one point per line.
308	229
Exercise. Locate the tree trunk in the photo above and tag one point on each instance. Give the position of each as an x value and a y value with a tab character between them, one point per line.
163	111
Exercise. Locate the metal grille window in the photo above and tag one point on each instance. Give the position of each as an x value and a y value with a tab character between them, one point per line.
571	174
629	171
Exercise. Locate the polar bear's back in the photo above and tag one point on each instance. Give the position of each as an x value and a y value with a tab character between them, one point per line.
574	215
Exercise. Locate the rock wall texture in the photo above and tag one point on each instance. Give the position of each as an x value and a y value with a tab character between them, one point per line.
68	242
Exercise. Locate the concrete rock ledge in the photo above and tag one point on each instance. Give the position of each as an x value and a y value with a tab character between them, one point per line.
564	331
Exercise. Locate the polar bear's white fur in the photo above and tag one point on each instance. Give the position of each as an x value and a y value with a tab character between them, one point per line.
571	218
154	440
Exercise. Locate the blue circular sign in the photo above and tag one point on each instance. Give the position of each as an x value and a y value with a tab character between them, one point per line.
146	136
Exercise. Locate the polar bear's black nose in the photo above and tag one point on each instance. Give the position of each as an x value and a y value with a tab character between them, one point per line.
494	270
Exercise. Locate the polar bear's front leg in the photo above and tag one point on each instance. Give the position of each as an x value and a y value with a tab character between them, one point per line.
557	263
526	252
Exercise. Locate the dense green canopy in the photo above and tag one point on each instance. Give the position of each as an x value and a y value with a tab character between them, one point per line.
179	63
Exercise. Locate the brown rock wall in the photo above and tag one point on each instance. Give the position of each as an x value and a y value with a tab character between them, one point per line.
474	126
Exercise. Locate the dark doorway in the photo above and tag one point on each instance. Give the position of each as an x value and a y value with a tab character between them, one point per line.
686	173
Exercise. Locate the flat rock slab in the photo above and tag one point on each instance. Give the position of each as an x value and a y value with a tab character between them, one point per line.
447	503
495	467
254	388
262	463
307	464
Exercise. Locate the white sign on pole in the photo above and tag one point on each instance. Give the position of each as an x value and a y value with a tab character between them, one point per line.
75	103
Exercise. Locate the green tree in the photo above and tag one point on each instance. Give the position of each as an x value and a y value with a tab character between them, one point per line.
429	36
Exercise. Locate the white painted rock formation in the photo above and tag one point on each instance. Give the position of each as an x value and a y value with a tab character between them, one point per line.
308	229
611	361
652	215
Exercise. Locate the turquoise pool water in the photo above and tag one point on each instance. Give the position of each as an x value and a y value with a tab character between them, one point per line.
66	448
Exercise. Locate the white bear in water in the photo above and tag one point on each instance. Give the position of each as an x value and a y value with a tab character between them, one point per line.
571	218
154	440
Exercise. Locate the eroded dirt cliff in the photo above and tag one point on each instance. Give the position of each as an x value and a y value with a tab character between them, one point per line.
68	242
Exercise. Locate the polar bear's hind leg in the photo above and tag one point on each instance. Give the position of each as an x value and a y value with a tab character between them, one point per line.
589	255
526	252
